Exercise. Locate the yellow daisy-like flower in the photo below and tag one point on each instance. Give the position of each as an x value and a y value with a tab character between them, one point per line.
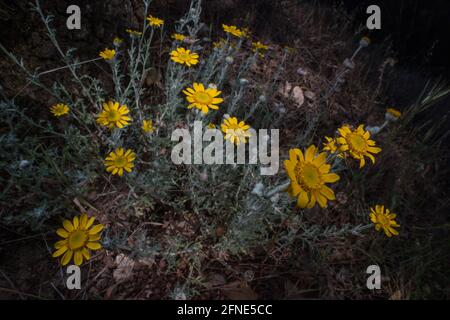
107	54
309	174
183	56
201	98
134	32
59	109
79	237
119	160
357	143
155	22
114	115
393	114
331	145
235	131
178	37
384	220
233	30
258	46
147	126
211	126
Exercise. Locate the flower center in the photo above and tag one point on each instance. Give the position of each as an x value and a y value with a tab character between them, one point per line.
357	143
113	115
184	56
383	220
77	239
120	162
308	176
203	98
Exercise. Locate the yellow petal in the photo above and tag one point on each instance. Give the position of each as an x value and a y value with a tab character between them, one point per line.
303	200
59	244
68	225
66	258
59	252
62	233
94	245
330	177
76	222
96	229
327	192
86	254
78	258
321	200
310	153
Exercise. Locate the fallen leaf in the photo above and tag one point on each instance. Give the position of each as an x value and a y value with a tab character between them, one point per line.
297	95
124	269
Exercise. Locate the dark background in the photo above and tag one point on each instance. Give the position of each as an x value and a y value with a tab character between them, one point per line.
419	30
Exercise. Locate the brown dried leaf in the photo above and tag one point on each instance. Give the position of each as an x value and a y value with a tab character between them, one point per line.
124	269
298	96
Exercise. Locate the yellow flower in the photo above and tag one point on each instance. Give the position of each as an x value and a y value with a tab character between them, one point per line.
235	131
308	174
211	126
147	126
134	32
114	115
154	21
393	114
108	54
178	37
330	145
118	160
384	220
357	143
117	41
258	46
59	109
78	237
233	30
202	99
183	56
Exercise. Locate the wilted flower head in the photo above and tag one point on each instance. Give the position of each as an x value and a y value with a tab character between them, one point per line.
364	42
117	41
243	81
229	60
392	114
133	33
147	126
258	46
331	145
